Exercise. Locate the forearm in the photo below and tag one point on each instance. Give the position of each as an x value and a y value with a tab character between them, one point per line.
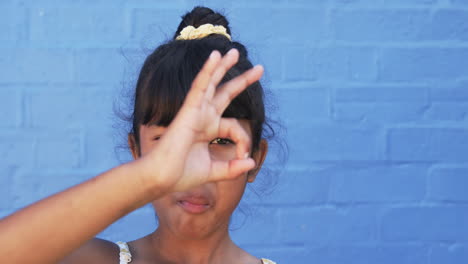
50	229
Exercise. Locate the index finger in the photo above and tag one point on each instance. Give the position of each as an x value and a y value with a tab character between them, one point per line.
228	91
202	80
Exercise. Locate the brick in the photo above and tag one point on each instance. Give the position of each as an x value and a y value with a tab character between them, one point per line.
16	149
100	66
372	183
12	25
11	110
6	193
338	64
248	33
70	108
60	150
325	142
441	254
427	144
368	254
260	227
315	178
295	65
155	25
422	64
429	224
31	186
319	226
447	111
448	184
384	94
30	65
79	24
379	112
459	2
100	147
380	24
303	103
310	27
450	24
452	94
272	58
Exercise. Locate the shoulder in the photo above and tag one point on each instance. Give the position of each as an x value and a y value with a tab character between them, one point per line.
96	251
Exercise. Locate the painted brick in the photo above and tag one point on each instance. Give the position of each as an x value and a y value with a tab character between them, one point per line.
439	224
262	222
70	108
11	109
62	151
380	25
12	25
427	144
315	178
310	27
447	111
17	148
384	94
101	147
441	254
155	25
325	142
450	24
338	63
38	185
405	64
35	65
448	184
368	254
379	112
378	184
450	94
303	104
79	24
100	66
321	226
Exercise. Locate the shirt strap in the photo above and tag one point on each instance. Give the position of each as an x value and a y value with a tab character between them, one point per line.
125	255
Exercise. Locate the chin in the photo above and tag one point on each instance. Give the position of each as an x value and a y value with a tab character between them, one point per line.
197	228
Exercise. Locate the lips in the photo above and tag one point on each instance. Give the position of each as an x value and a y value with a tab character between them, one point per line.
194	204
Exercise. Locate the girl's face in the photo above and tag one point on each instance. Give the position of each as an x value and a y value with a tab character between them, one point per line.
197	213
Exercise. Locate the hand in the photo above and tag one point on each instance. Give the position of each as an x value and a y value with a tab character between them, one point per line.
181	160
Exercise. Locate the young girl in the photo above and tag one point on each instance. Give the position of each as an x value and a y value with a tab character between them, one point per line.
197	141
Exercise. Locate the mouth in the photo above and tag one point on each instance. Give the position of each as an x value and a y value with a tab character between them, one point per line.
194	205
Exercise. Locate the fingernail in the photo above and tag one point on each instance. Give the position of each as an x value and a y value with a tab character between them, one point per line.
231	51
212	54
246	155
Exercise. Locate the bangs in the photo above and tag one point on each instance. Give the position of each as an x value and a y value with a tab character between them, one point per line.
171	72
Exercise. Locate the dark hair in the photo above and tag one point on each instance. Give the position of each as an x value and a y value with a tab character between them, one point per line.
168	72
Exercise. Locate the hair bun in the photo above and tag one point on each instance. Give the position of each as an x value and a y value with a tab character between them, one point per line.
202	15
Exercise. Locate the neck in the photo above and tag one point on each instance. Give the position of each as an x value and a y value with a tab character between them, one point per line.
214	248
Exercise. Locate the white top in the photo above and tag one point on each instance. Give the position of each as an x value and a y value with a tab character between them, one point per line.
126	256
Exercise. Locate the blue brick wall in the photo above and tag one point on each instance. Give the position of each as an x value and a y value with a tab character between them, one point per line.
373	93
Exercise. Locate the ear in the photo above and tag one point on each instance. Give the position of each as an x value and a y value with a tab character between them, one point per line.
259	157
133	145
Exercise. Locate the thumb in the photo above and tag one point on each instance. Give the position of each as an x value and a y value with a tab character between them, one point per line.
228	170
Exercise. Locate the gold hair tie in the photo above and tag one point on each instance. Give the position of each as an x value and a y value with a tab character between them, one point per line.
202	31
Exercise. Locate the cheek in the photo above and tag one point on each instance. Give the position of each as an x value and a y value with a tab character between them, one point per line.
222	152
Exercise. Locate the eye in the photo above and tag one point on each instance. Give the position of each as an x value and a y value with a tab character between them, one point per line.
222	141
157	137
